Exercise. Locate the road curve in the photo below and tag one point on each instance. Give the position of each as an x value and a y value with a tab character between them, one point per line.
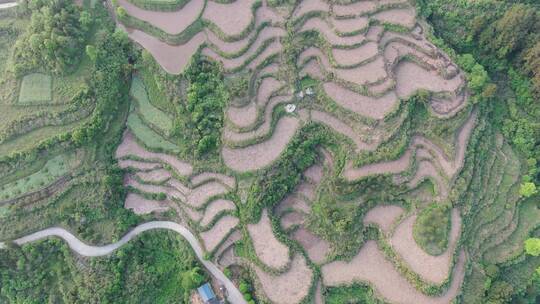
234	295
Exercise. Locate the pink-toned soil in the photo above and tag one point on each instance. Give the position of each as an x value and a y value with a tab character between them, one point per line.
154	176
341	128
449	106
290	287
141	205
178	185
232	18
434	269
172	58
331	37
307	6
382	88
354	9
214	208
314	174
204	177
138	165
192	213
170	22
427	170
451	167
312	69
347	57
267	88
306	190
215	235
272	49
232	63
244	116
397	50
316	248
226	245
423	44
400	16
171	193
258	156
389	167
371	266
292	219
383	216
374	33
365	74
293	202
264	129
347	26
411	77
376	108
200	195
268	248
130	147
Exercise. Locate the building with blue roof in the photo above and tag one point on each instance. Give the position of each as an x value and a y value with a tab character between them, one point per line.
207	294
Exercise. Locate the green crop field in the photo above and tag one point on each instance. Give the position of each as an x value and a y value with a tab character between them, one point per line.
35	89
149	113
148	136
53	169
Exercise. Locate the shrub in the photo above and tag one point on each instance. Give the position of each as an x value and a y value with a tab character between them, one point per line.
532	246
527	189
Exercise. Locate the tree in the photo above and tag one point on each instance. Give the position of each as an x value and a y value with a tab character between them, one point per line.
532	64
121	12
192	278
528	189
532	246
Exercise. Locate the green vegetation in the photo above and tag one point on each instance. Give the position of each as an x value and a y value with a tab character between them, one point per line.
532	246
149	137
206	99
53	169
148	112
431	228
35	89
354	294
157	267
527	189
53	41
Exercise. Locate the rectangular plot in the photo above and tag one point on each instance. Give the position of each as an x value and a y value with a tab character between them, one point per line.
36	89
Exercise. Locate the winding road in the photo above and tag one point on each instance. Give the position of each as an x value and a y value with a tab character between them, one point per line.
234	295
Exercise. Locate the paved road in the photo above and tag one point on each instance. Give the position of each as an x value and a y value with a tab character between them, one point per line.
8	5
234	296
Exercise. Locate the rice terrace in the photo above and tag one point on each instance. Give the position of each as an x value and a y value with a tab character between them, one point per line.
270	151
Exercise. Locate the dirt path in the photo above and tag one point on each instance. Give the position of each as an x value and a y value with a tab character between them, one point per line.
290	287
434	269
383	216
258	156
371	266
267	247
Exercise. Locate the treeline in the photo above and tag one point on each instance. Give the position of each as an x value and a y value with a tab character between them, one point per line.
204	106
157	267
502	36
54	40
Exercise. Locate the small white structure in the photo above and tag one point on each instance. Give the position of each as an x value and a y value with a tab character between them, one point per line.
300	94
290	107
309	91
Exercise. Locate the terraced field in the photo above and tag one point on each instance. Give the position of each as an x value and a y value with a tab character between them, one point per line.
343	123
